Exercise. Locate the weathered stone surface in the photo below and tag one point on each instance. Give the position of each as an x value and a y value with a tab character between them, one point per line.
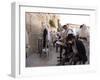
34	26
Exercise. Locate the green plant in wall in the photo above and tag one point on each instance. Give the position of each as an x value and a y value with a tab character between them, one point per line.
52	24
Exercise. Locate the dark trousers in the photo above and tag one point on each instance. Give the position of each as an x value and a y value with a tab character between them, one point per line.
62	48
44	42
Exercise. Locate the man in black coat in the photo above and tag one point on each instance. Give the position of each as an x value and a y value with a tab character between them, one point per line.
45	33
78	49
81	51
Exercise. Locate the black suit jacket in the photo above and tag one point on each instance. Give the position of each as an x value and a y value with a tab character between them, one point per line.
81	50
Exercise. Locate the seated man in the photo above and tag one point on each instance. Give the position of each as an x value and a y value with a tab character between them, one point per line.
77	48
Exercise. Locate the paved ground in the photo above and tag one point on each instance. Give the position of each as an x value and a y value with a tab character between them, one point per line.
35	60
44	60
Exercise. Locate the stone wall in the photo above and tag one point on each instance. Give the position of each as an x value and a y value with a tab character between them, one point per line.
34	27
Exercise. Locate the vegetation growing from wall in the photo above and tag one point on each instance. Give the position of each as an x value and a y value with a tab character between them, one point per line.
52	24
